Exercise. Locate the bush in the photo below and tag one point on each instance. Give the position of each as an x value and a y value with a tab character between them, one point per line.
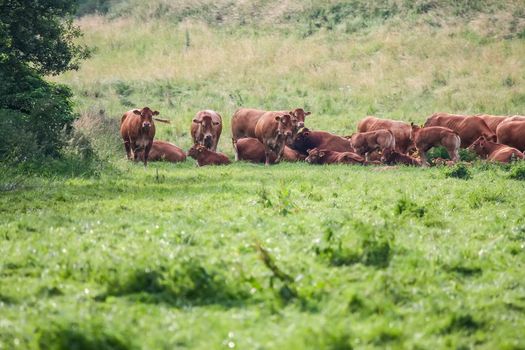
517	171
458	171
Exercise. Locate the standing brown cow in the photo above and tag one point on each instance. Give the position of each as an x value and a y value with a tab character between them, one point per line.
252	150
244	121
428	137
492	121
495	151
511	132
206	157
274	130
468	128
399	129
162	150
307	139
138	130
206	128
370	141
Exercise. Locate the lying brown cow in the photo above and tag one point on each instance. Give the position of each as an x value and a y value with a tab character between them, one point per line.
206	157
428	137
468	128
162	150
392	157
274	130
399	129
206	129
495	151
306	139
511	132
244	121
138	130
370	141
324	156
252	150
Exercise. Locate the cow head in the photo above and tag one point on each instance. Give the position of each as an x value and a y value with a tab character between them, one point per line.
298	116
479	146
301	141
206	130
196	150
146	117
285	128
315	156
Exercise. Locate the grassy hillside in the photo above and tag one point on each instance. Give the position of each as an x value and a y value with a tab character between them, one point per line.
109	255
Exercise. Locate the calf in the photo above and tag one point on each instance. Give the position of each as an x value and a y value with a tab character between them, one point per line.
468	128
252	150
392	157
138	130
511	132
206	129
399	129
274	130
370	141
162	150
244	121
495	151
428	137
206	157
324	156
306	139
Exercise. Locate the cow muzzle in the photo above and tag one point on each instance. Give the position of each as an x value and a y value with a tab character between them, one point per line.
208	140
146	125
300	125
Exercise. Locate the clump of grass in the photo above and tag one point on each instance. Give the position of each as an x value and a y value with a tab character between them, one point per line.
405	206
458	171
517	171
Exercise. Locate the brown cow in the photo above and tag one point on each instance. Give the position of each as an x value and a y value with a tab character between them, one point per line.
306	139
274	130
206	129
392	157
325	156
511	132
428	137
377	140
162	150
492	121
206	157
138	130
495	151
468	128
251	149
399	129
244	121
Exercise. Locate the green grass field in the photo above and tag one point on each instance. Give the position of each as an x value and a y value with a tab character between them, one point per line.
109	255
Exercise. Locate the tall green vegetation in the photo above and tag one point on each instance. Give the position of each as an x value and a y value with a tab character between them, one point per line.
36	38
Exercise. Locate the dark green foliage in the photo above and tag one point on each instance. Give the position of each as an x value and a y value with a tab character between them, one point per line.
72	336
36	38
458	171
517	171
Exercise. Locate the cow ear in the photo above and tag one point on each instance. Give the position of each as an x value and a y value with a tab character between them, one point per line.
277	118
197	121
156	113
216	123
307	113
136	111
321	154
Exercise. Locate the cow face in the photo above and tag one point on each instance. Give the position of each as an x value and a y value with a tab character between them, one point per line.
298	116
301	140
195	150
207	130
478	146
315	156
146	117
285	128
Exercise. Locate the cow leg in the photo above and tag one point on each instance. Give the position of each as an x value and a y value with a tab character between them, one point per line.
453	154
367	157
424	161
146	153
127	146
235	151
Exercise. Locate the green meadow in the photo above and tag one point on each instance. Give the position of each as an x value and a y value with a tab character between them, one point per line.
99	253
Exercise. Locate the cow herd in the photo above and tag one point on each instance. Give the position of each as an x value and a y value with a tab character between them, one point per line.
268	137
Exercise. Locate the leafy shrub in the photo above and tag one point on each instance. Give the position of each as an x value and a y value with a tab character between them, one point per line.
517	171
458	171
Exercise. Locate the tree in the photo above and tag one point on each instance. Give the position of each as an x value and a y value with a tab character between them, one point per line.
37	37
